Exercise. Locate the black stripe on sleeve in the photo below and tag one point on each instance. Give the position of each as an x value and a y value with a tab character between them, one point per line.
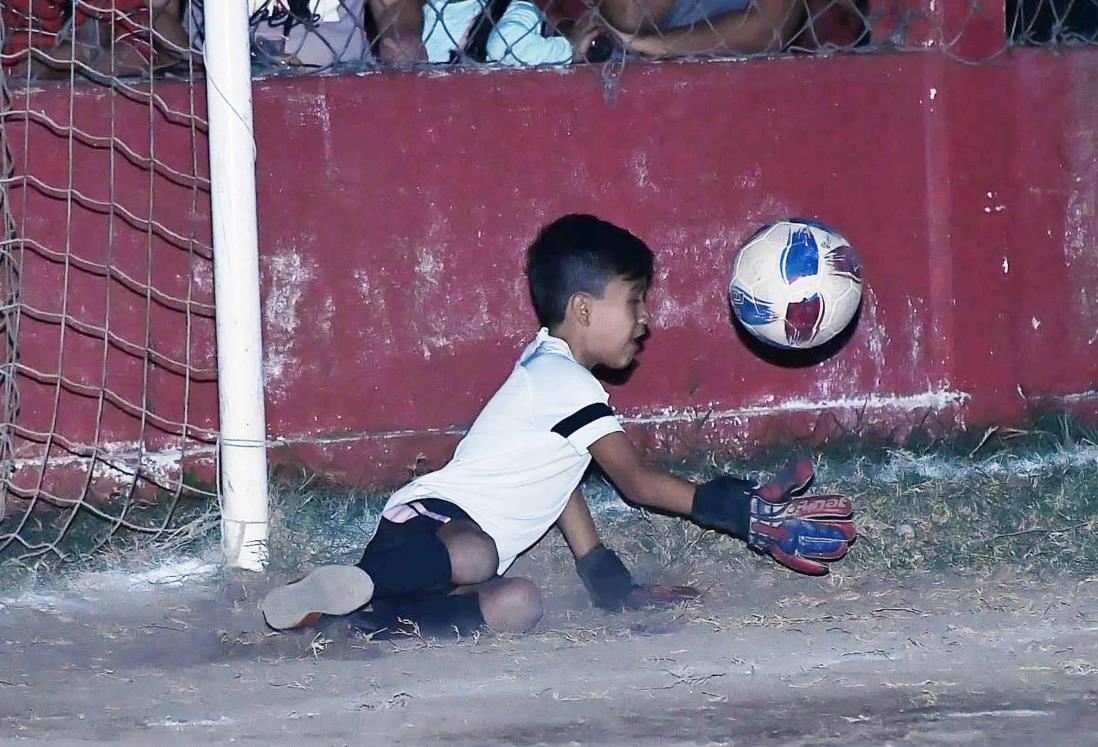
582	417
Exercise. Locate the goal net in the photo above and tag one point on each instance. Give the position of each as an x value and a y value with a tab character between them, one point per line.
109	373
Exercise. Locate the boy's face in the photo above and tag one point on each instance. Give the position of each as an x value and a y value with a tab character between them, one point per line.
618	320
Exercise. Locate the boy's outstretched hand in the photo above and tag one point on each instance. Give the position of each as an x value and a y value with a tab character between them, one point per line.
796	531
611	586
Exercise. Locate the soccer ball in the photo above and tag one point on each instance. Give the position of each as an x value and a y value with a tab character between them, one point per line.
796	284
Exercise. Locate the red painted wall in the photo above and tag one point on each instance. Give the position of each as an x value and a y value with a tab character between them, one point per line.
394	210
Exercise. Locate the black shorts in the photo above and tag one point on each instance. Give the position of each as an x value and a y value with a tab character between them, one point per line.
410	550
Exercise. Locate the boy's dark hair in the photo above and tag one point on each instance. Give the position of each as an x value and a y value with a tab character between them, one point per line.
581	254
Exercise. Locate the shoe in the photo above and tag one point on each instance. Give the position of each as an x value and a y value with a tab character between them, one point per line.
327	590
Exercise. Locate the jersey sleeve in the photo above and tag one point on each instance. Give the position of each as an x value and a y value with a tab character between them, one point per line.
570	402
517	40
587	425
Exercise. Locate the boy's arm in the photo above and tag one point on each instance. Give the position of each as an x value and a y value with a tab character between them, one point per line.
400	30
797	532
605	577
766	26
577	526
640	482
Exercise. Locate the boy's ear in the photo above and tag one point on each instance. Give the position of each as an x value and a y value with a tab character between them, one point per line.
579	308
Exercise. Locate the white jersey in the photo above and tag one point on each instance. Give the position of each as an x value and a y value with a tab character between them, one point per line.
527	450
517	39
447	25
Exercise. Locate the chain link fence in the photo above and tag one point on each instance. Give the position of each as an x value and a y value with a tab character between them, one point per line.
1052	22
310	36
300	36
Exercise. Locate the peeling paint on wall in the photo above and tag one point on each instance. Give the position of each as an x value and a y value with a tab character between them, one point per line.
118	463
372	284
680	298
876	336
1080	230
1087	396
638	164
694	182
289	282
202	276
935	399
913	333
433	325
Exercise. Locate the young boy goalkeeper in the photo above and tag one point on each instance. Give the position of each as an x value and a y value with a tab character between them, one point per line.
445	541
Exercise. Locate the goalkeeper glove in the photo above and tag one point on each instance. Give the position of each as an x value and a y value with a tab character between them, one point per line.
611	586
797	532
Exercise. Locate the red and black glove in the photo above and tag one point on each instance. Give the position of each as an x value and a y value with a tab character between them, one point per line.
801	533
612	588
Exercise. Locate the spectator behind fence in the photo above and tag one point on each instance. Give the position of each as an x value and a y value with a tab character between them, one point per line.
834	24
673	28
460	30
147	38
549	32
463	30
32	30
299	33
49	39
448	27
1041	22
519	38
324	33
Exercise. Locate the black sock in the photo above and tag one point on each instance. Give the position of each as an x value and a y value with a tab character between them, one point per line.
436	614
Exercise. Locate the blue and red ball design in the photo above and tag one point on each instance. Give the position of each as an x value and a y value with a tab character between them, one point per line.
800	257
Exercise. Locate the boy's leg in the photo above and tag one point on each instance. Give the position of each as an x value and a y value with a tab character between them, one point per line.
427	546
511	605
480	597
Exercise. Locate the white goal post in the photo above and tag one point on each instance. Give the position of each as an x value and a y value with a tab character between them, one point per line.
243	453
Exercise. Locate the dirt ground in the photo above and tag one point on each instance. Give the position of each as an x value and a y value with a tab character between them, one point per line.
759	660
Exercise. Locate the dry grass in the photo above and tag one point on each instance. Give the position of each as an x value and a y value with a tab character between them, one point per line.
1023	499
1017	499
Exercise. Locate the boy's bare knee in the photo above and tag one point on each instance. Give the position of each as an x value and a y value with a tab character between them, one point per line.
513	606
473	554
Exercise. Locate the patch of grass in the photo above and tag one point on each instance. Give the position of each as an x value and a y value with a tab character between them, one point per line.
316	521
1038	519
1026	498
38	538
